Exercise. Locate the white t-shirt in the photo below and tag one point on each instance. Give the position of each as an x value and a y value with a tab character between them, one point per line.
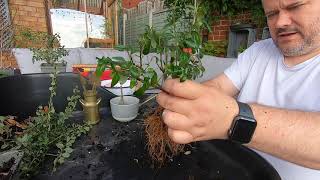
262	77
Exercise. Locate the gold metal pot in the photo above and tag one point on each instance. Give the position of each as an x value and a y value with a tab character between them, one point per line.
90	105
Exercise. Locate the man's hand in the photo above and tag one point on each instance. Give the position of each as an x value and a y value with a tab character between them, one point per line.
195	112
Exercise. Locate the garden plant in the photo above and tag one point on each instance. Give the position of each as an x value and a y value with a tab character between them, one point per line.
178	56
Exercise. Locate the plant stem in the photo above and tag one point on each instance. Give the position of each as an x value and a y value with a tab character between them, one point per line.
121	95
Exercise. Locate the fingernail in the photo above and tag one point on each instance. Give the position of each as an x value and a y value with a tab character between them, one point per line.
163	113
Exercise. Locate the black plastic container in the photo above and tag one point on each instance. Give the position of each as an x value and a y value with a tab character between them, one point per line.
21	95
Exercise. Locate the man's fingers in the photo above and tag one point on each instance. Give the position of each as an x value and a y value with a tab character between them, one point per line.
173	103
175	120
180	137
187	89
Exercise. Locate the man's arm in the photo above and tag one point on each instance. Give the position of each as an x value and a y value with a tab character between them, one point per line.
204	112
224	84
290	135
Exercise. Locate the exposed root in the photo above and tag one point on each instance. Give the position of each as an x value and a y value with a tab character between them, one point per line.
160	146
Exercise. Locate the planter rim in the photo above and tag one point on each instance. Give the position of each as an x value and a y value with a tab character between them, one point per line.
61	64
112	101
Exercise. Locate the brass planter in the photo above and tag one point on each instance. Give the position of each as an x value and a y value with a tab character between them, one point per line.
90	105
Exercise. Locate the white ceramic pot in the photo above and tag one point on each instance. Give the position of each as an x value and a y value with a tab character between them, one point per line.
127	111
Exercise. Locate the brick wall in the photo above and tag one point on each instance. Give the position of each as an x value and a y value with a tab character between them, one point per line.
29	14
8	60
220	28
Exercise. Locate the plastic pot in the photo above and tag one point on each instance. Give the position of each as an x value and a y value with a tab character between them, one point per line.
124	112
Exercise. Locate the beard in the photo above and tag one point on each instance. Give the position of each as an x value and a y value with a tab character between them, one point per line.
310	40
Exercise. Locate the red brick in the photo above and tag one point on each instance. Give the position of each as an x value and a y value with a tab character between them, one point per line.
221	28
35	4
210	36
220	37
223	33
216	33
27	8
130	3
19	2
225	22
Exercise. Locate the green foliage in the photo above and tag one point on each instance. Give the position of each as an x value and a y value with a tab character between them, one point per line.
179	54
5	134
48	134
3	74
221	7
106	28
242	48
50	50
215	48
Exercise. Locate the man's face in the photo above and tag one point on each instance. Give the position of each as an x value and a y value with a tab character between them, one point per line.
294	25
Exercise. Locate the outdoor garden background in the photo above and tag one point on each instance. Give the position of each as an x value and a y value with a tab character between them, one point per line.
113	22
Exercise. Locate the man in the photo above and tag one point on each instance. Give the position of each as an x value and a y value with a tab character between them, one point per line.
279	80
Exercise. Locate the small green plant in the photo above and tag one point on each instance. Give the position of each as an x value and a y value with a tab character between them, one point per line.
45	47
242	48
178	56
215	48
52	53
47	134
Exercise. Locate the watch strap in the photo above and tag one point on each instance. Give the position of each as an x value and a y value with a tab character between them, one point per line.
245	110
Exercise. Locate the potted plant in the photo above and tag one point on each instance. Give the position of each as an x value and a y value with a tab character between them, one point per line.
124	108
179	54
46	48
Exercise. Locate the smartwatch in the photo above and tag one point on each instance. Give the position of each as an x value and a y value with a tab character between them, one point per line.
243	125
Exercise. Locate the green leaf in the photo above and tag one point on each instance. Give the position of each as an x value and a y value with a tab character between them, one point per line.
118	60
2	118
191	43
144	87
61	160
69	150
100	69
133	83
120	47
146	48
196	37
134	71
87	128
154	80
60	145
153	43
184	58
115	79
66	155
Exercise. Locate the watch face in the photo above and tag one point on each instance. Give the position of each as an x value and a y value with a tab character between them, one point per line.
243	129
